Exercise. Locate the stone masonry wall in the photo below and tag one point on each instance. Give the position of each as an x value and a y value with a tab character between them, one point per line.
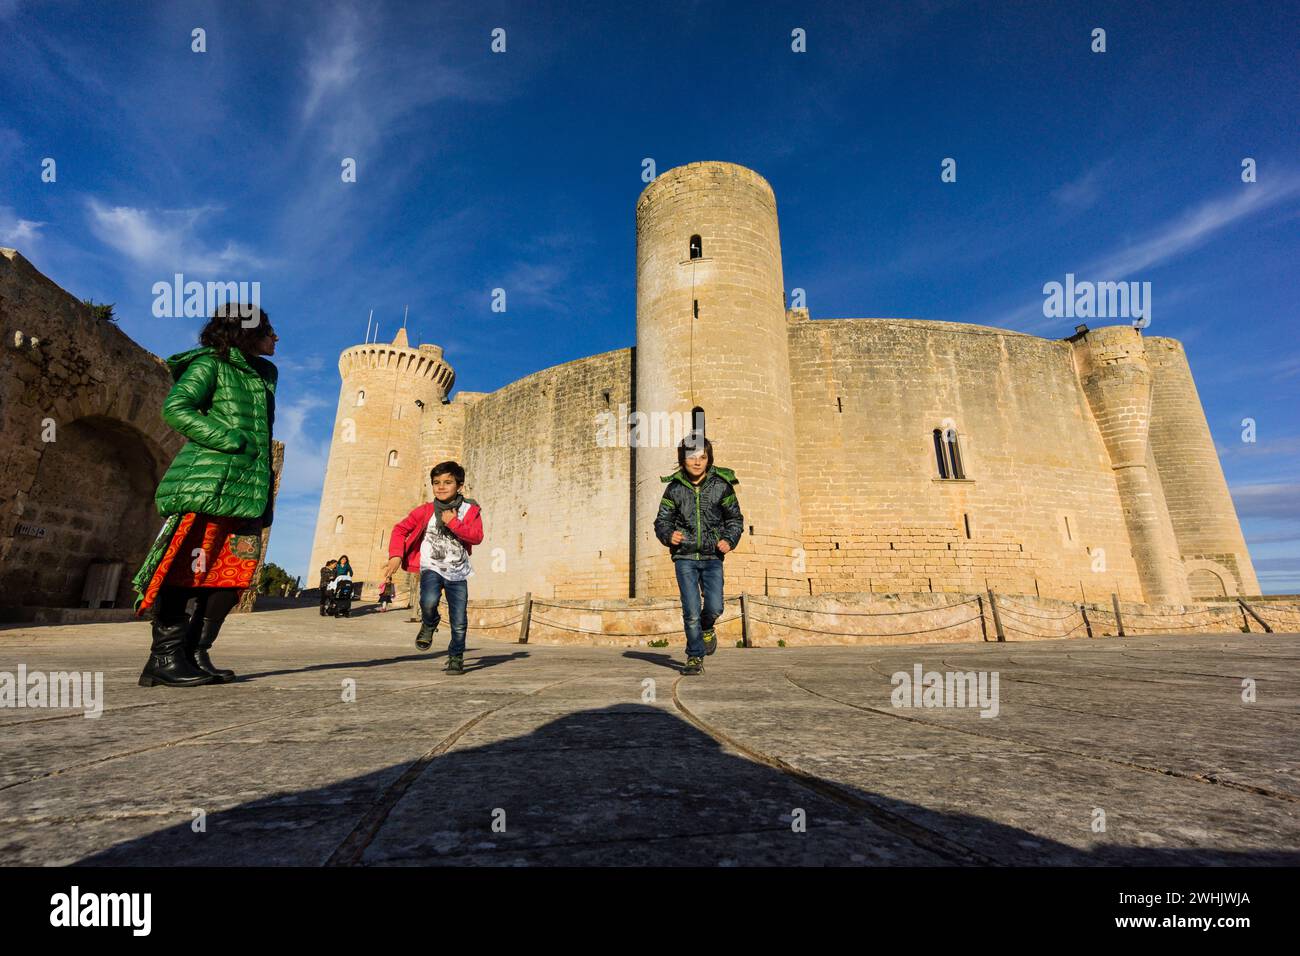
556	505
1038	504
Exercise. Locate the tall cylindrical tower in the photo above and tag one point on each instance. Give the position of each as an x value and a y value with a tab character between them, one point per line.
1116	377
373	476
711	333
1205	521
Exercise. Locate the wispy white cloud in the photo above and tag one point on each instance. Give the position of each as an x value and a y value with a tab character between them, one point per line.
332	61
167	240
1195	227
1083	192
1171	239
16	231
1273	500
539	284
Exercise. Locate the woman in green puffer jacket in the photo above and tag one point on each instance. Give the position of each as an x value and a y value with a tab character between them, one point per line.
216	496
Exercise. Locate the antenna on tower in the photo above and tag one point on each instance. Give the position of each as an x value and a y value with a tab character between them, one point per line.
405	313
368	321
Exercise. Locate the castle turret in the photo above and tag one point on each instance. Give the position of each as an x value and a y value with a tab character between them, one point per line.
1116	377
374	473
711	333
1204	519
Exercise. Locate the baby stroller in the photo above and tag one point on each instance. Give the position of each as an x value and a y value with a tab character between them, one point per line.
339	601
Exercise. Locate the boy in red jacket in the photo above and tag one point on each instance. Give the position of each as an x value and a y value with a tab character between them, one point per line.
435	541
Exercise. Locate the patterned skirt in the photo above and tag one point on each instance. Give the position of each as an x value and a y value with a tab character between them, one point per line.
199	551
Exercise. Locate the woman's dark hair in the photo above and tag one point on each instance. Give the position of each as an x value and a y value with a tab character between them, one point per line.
235	324
448	468
343	558
691	443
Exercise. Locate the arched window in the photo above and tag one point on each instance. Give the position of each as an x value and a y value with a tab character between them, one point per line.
361	396
392	458
947	453
338	525
697	247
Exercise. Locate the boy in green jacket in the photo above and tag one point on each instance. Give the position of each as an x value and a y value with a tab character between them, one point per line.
699	521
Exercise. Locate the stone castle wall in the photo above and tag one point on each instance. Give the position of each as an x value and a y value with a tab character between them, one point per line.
84	443
1089	469
556	504
877	517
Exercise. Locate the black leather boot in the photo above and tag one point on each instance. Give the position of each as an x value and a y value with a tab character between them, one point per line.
198	640
169	664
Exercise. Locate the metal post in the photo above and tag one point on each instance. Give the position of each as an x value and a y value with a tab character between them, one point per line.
1087	625
525	618
1119	621
984	626
997	618
1262	622
744	620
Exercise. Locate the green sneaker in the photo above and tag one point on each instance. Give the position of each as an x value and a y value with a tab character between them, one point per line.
424	640
710	641
694	665
455	664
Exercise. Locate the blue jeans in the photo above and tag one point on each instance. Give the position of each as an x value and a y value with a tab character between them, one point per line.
432	584
696	579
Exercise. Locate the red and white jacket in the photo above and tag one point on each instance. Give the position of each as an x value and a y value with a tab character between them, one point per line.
407	534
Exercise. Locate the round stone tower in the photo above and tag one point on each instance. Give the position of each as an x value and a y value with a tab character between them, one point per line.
374	473
711	333
1116	375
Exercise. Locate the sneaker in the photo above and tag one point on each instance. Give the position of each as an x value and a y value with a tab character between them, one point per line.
710	641
455	664
694	665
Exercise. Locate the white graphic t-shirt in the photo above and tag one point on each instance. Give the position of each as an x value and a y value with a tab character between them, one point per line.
442	551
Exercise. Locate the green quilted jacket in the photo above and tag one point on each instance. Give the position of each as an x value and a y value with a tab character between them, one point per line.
226	408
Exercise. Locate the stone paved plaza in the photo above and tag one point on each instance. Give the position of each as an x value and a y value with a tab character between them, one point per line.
598	755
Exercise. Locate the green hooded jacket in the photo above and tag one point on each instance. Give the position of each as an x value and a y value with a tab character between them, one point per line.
226	408
705	514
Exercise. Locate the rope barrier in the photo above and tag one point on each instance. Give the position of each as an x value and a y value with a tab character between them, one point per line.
1155	629
585	630
819	630
809	610
661	607
1006	627
1168	614
1046	617
488	627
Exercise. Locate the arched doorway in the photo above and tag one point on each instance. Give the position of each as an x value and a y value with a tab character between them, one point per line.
91	500
1204	583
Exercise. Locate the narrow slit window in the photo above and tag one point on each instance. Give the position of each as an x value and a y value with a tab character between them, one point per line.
697	248
954	454
940	458
338	525
361	397
392	458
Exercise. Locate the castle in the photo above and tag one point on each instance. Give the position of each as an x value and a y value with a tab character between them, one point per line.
873	455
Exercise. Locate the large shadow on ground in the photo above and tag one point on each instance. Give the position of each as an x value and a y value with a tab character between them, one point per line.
627	785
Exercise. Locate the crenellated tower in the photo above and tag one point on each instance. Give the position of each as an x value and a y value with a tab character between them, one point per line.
376	471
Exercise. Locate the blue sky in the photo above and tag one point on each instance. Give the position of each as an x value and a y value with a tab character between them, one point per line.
520	170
